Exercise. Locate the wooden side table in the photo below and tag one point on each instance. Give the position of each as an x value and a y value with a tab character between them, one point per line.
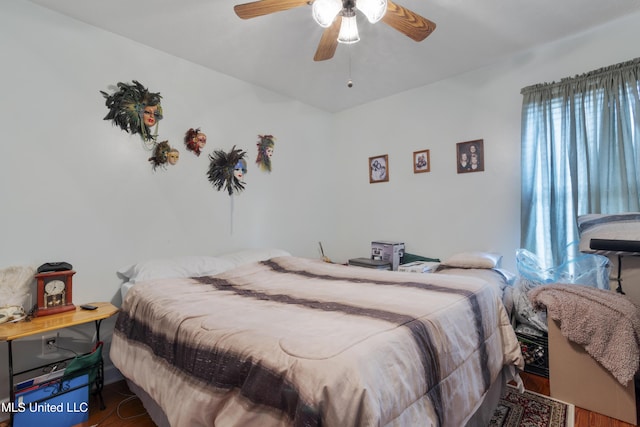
41	325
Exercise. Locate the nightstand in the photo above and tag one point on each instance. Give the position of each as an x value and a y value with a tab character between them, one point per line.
10	332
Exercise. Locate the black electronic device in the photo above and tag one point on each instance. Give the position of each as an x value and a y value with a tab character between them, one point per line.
54	266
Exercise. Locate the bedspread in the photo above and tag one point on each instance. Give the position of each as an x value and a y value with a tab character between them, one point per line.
501	279
298	342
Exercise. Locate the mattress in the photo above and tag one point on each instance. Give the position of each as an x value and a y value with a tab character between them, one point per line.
292	341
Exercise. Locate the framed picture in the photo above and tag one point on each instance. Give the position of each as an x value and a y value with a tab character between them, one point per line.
378	169
421	161
470	156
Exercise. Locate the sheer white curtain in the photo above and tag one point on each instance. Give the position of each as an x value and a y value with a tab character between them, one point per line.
580	154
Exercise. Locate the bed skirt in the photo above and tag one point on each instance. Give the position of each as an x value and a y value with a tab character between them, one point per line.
480	418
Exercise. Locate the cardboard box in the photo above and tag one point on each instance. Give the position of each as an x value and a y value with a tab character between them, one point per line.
418	267
392	252
630	276
575	377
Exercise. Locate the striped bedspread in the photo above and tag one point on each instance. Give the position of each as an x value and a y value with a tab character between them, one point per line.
298	342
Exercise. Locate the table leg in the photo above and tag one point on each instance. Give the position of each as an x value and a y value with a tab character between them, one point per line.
619	278
12	394
100	375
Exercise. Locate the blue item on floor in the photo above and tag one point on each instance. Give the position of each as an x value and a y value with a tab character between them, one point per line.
60	408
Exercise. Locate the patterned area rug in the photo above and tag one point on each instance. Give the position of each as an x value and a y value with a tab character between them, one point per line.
532	410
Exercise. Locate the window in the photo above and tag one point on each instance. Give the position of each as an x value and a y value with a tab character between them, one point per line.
580	154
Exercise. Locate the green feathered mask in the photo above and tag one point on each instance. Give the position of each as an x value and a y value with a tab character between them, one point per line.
221	169
134	109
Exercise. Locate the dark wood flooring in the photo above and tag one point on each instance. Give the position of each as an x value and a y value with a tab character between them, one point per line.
125	410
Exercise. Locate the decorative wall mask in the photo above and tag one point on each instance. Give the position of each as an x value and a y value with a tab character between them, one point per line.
134	109
265	145
195	140
227	170
164	155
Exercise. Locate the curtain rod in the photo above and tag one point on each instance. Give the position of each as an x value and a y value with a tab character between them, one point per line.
634	63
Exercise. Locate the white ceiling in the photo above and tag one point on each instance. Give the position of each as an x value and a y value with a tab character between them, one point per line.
276	51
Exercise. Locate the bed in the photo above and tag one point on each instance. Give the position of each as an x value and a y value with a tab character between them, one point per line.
288	341
485	266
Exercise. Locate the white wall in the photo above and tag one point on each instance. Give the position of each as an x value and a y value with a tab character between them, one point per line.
75	188
442	212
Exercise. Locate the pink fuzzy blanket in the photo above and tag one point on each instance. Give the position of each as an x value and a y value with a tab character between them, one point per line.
605	323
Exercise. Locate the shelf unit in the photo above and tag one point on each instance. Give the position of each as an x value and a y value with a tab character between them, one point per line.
10	332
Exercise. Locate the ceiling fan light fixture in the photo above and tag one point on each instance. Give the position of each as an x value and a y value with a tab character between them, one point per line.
348	30
325	11
374	10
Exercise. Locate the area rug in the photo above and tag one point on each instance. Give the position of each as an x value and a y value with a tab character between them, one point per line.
531	409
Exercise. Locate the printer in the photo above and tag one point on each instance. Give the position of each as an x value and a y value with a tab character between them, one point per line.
391	252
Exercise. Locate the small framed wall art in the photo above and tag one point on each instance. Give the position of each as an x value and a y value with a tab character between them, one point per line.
378	169
470	156
421	161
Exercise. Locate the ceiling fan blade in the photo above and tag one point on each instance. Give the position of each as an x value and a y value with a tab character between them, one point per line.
407	22
265	7
328	41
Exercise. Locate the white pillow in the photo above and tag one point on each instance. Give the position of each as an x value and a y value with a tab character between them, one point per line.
473	260
181	266
246	256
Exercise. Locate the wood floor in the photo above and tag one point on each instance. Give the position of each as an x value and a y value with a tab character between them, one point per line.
124	410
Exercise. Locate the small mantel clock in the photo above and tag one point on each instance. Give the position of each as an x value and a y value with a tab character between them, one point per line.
55	292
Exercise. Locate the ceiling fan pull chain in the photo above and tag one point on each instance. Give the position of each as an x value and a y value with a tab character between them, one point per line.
350	82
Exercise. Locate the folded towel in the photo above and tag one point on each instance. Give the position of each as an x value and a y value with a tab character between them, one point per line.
605	323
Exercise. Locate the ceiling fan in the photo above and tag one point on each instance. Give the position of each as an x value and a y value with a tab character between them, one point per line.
344	30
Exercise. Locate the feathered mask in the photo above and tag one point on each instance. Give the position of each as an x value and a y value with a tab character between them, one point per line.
227	169
195	140
134	109
265	151
164	154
